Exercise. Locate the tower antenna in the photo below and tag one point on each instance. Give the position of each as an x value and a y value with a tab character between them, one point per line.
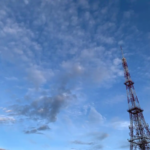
139	129
122	51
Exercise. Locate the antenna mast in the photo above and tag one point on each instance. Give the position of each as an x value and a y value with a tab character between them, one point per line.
122	51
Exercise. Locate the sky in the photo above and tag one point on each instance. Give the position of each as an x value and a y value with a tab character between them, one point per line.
61	75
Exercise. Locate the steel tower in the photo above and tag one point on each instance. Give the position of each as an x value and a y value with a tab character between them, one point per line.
139	129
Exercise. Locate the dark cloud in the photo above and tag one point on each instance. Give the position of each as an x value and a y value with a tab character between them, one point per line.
98	135
95	137
102	136
37	130
45	108
82	143
44	127
2	149
48	107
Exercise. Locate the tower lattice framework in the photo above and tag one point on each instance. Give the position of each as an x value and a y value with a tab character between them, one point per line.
139	129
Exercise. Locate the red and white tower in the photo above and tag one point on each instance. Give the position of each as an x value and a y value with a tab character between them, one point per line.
139	129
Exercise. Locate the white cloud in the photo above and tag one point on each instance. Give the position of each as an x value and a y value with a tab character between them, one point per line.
6	119
39	76
121	43
118	124
117	61
26	1
8	111
104	10
25	49
108	40
128	14
95	117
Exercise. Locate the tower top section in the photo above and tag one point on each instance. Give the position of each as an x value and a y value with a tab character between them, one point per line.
122	52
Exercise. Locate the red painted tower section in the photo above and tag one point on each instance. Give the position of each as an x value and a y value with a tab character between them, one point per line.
139	129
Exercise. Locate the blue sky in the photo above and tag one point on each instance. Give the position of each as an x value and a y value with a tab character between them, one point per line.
61	73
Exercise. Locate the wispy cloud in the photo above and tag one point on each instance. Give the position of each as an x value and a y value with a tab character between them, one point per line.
98	136
6	119
119	124
95	117
82	143
38	76
37	130
94	140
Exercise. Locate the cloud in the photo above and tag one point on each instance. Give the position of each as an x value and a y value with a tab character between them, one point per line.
56	29
128	14
95	117
116	123
38	76
26	2
108	40
59	50
120	43
2	149
45	108
102	136
102	72
6	119
94	138
72	72
69	35
117	61
104	10
37	130
98	136
82	143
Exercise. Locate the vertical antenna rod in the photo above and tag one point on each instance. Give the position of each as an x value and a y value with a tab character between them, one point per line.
122	51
